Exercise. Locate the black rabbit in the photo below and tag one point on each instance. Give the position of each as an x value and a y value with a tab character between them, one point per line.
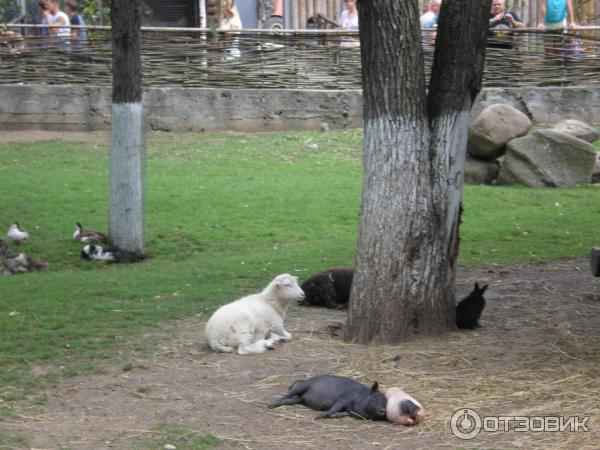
469	309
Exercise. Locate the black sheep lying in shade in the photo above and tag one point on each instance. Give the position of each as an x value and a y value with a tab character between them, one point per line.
469	309
330	288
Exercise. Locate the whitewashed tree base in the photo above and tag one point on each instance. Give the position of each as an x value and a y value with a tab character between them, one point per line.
126	218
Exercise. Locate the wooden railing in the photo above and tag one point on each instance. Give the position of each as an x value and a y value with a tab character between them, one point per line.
325	59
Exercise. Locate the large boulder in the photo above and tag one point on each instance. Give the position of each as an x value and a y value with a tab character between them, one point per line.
578	129
547	158
478	171
496	125
596	173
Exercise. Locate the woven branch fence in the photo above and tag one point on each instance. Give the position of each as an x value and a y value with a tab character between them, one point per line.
325	59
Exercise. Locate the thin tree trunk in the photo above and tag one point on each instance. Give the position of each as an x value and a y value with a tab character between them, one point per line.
127	142
414	152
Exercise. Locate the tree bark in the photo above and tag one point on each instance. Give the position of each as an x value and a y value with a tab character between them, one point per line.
414	152
127	156
126	19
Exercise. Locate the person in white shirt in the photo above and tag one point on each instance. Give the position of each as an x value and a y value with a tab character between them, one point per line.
349	21
349	16
230	17
430	18
230	21
54	16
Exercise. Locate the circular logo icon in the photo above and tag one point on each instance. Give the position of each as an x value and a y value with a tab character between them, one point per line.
465	423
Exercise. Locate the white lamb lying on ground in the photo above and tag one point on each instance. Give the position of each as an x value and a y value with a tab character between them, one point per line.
254	323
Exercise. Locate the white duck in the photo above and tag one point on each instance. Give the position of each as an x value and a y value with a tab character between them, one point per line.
89	236
16	234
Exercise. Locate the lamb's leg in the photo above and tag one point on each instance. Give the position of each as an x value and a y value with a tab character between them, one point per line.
259	346
278	333
278	337
224	349
217	346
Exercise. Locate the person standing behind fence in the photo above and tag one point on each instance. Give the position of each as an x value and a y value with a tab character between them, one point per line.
349	16
12	43
43	6
348	20
499	18
54	16
230	17
230	21
78	35
557	15
430	18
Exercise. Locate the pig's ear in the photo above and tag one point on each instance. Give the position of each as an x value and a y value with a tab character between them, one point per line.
375	387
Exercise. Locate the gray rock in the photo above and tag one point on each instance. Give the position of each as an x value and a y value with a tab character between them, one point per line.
496	125
578	129
478	171
596	172
547	158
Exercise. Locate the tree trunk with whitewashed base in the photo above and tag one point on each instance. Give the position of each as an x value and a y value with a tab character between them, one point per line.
414	152
127	160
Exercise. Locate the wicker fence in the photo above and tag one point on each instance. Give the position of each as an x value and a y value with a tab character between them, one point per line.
301	60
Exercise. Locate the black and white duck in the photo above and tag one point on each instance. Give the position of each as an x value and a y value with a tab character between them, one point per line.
114	254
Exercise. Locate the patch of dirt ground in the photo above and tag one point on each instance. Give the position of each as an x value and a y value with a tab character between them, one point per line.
536	354
39	135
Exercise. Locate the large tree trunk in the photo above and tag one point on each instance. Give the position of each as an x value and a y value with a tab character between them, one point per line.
414	152
127	142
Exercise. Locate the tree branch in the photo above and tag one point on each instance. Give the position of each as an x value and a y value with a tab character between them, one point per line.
459	56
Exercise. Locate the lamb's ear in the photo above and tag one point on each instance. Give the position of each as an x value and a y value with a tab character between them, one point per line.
476	288
375	387
482	290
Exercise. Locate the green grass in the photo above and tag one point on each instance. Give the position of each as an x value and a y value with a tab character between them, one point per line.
11	441
224	214
181	438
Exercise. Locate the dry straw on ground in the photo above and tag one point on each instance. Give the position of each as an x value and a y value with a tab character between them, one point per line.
536	354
